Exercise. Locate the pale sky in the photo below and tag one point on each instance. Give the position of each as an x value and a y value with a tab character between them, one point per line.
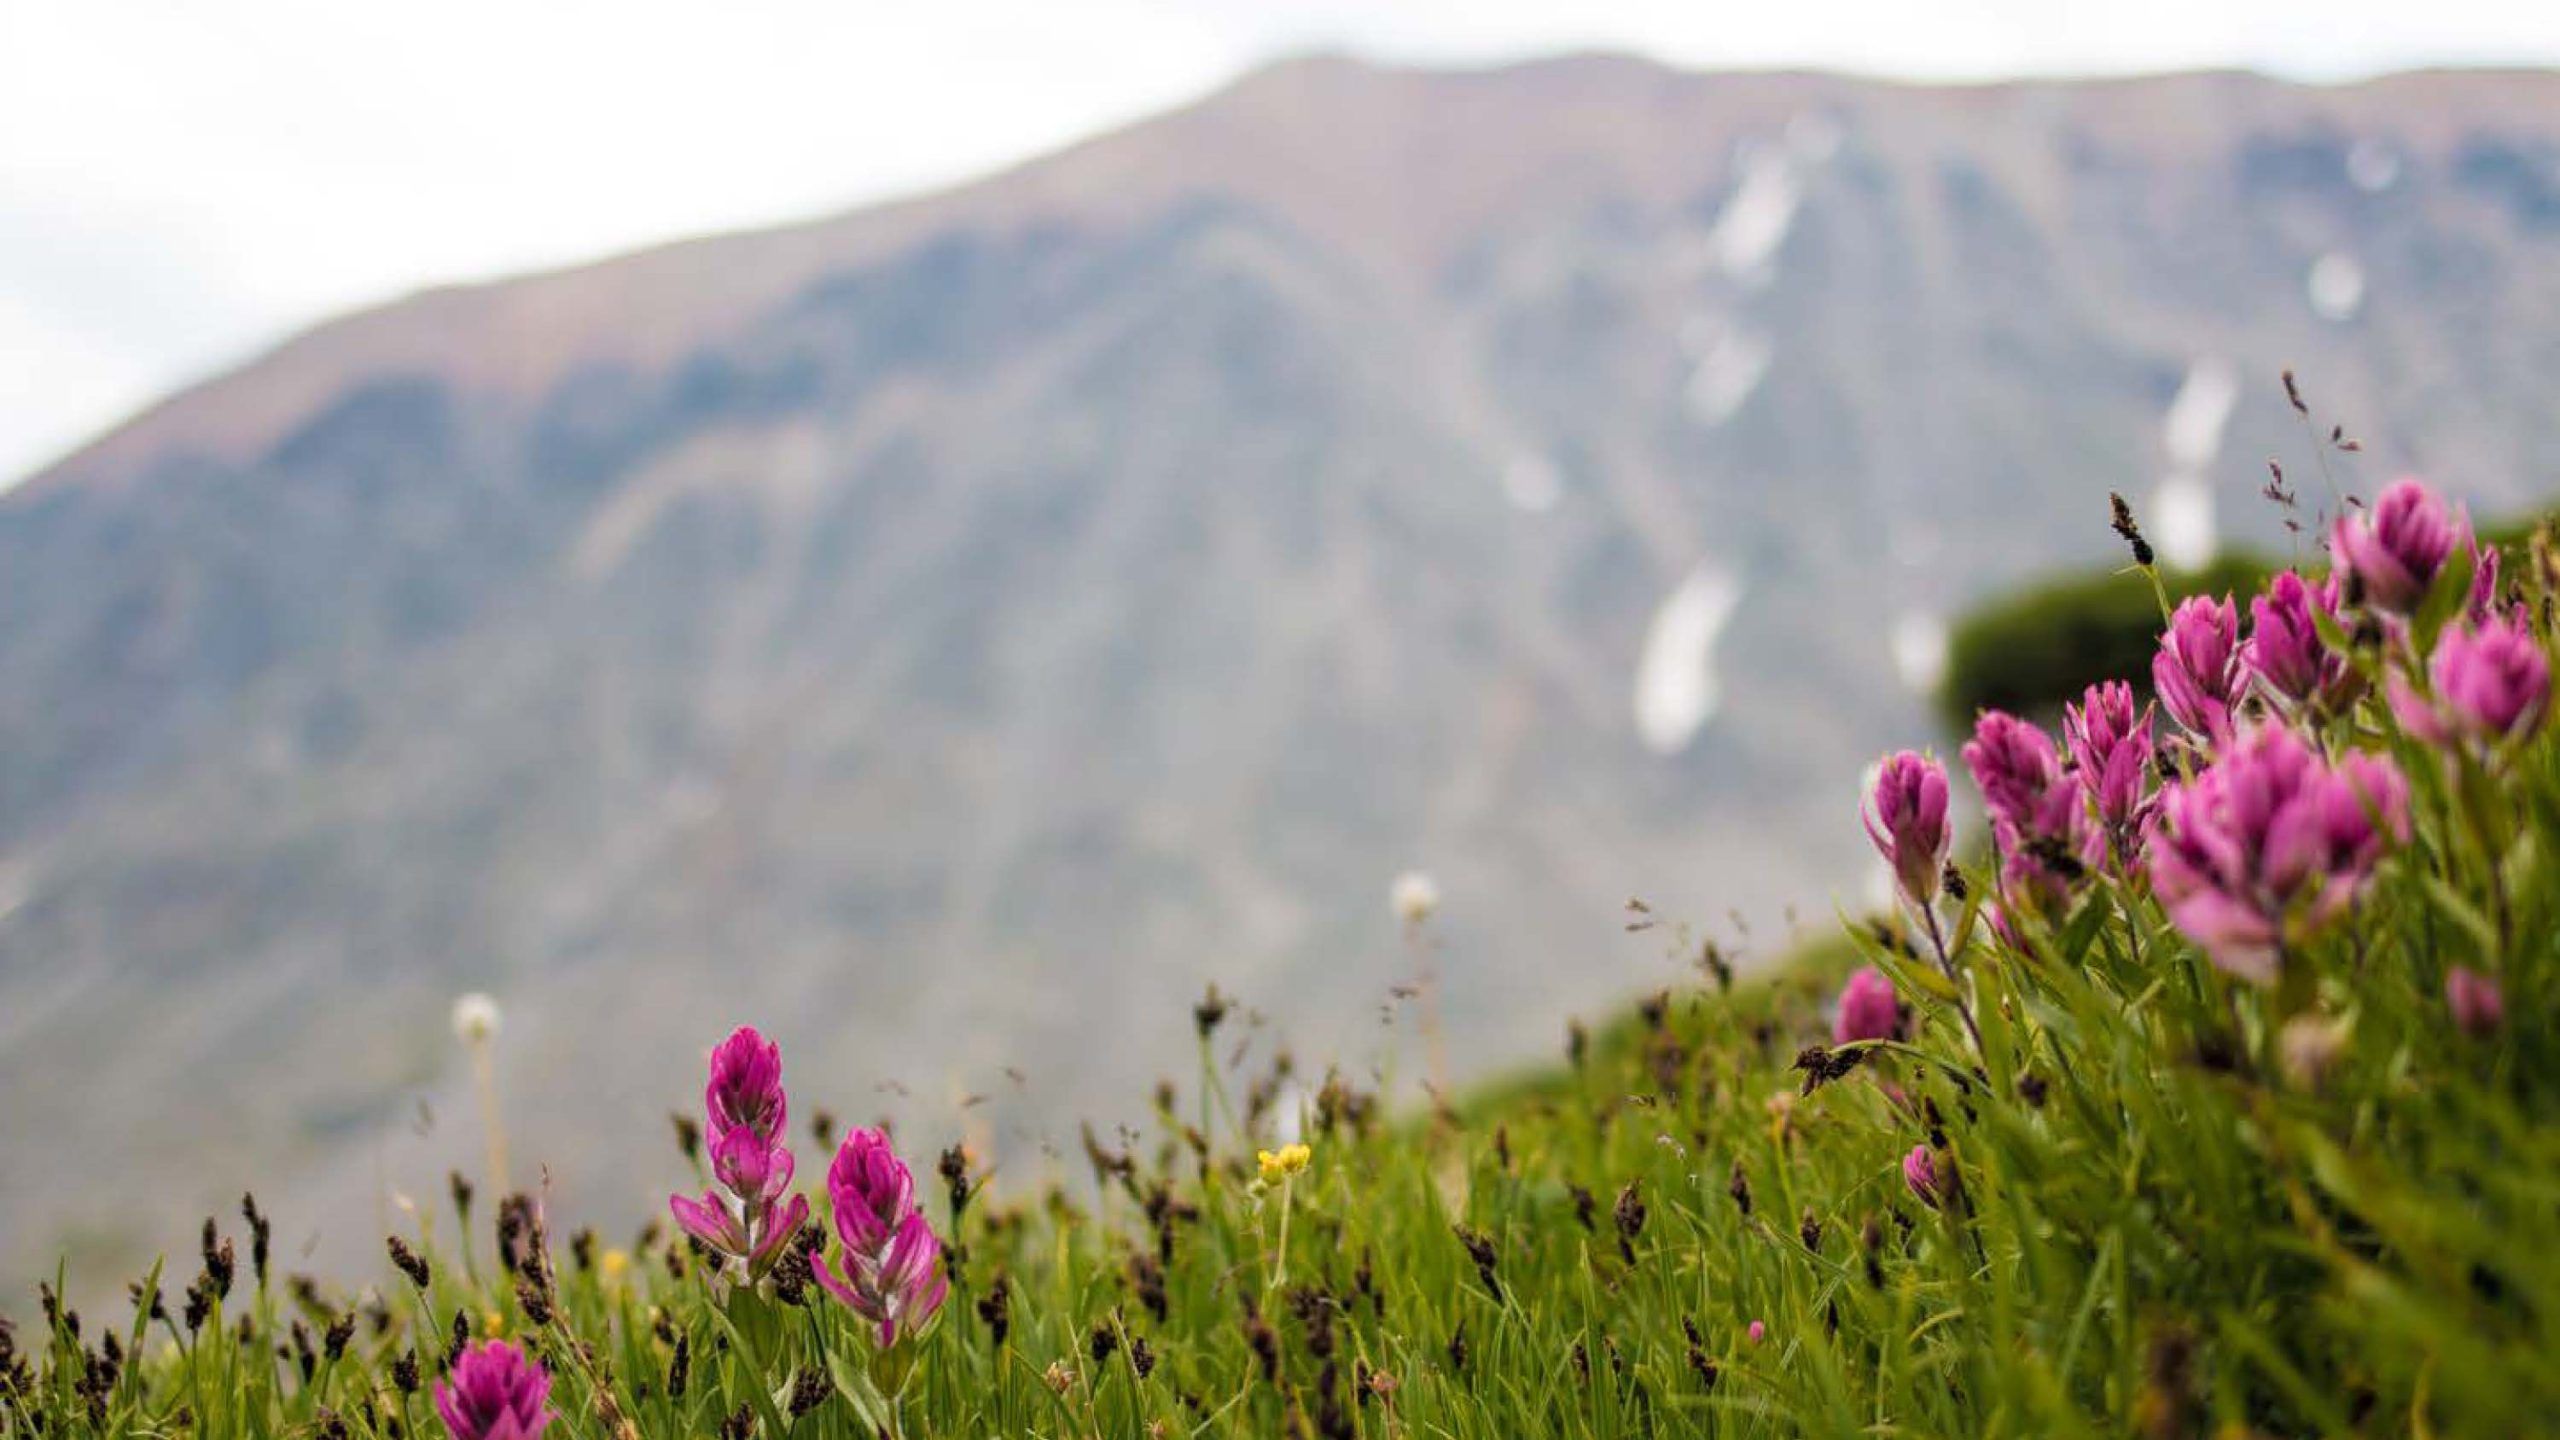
184	182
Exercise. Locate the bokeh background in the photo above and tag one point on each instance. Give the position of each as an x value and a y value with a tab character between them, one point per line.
942	531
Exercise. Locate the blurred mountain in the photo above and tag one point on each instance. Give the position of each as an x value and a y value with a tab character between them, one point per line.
950	634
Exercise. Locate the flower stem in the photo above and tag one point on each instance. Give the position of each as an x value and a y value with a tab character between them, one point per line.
484	1076
1434	1043
1947	965
1280	1269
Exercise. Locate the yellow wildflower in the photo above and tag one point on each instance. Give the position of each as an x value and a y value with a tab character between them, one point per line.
1280	1164
614	1263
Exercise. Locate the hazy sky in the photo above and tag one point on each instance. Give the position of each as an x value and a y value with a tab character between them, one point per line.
183	182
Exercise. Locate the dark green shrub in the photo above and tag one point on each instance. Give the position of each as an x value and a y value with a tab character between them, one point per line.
2030	651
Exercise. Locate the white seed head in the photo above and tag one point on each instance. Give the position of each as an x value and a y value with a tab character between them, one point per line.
1415	896
476	1018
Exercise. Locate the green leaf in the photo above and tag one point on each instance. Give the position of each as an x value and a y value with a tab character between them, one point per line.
2083	925
2465	915
854	1384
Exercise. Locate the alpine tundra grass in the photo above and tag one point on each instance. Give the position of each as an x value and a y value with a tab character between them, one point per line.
2211	1098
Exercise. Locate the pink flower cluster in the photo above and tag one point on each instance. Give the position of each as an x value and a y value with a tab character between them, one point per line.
2270	842
2293	665
1907	819
2110	749
2197	673
2257	825
746	1219
1868	1009
890	1272
2393	552
2487	682
496	1392
2039	807
2260	838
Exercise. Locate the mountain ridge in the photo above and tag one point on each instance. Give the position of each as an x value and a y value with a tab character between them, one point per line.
476	318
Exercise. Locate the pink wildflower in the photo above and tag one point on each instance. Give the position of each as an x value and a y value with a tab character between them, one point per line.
1920	1173
2395	550
496	1393
890	1272
2271	842
746	1219
1868	1009
2197	670
2479	1007
1907	820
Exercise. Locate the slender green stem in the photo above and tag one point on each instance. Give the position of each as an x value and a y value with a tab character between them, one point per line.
1280	1269
1947	966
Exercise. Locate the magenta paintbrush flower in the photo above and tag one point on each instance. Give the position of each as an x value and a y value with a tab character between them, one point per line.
749	1228
2016	767
2285	650
890	1272
2491	681
1907	819
897	1290
2484	582
2197	669
746	1086
2110	747
496	1393
2270	843
749	1216
2038	819
1869	1009
750	1168
2395	550
872	1189
1920	1173
2478	1005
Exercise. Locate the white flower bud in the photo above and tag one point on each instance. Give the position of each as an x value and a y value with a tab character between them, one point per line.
476	1018
1415	896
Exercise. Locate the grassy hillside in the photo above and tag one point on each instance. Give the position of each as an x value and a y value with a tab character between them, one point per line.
2216	1107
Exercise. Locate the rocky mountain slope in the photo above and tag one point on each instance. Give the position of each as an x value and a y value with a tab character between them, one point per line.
950	634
